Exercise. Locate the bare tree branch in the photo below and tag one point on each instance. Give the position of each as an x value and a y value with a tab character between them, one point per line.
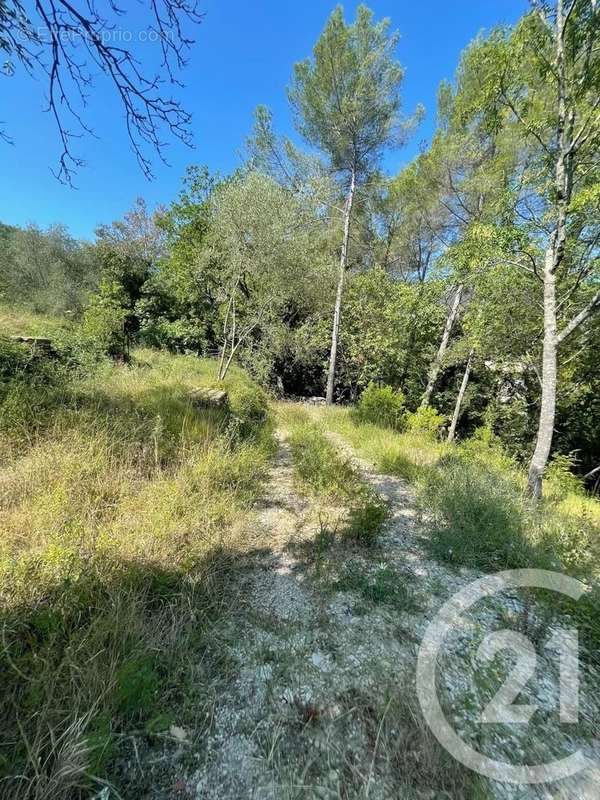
592	307
73	37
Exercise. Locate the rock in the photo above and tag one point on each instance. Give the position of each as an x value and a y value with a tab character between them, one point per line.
321	661
178	733
287	695
209	397
35	342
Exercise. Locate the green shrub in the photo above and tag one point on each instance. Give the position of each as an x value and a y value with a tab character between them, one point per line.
487	448
424	420
381	405
560	479
514	424
249	406
367	516
103	325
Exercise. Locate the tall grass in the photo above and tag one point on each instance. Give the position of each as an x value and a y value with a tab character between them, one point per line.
15	321
326	473
122	507
475	507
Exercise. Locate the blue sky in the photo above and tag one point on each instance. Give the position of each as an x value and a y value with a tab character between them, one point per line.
243	56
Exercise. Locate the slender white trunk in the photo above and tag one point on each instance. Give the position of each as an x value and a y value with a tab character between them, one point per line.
553	259
225	335
549	371
436	366
460	397
340	289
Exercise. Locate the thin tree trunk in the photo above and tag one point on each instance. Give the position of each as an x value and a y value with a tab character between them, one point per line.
549	371
225	337
460	397
436	366
236	345
340	290
553	258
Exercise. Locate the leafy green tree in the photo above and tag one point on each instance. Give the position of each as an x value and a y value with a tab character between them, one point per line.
265	241
47	271
178	308
388	332
467	176
104	324
128	251
538	86
347	105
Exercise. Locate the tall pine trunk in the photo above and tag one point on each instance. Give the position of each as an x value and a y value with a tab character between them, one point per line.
460	397
436	366
340	289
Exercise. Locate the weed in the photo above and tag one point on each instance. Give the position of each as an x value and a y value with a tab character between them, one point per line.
473	501
367	516
120	503
318	465
383	585
325	472
476	518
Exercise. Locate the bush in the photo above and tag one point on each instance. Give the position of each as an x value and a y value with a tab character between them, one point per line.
367	516
424	420
381	405
477	517
103	326
249	409
560	480
513	423
484	446
31	384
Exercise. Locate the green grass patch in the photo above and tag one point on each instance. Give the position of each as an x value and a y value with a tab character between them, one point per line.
319	466
476	512
324	472
382	586
122	509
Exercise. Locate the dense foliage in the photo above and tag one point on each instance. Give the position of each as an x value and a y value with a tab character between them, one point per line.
441	290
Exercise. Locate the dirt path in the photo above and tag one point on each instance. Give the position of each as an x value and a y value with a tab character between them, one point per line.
309	661
320	701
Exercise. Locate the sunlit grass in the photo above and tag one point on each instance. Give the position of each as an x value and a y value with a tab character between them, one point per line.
473	498
19	322
325	472
122	511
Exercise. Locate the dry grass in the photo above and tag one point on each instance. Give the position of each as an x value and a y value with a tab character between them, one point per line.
121	505
19	322
329	475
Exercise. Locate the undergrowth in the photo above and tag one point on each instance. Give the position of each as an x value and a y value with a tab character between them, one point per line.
475	508
121	505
